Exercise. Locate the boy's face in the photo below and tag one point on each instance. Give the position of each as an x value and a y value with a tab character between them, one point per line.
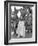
19	14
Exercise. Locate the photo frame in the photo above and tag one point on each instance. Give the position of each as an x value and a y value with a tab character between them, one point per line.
20	22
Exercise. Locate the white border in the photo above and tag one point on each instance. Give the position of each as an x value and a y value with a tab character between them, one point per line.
33	27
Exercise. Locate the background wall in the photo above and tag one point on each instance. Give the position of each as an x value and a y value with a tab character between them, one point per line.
2	24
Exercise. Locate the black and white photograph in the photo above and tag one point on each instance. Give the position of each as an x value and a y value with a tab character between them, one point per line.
20	22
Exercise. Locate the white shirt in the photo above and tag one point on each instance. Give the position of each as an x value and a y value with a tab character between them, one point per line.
21	29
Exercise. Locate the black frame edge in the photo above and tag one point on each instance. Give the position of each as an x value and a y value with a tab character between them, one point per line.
6	14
